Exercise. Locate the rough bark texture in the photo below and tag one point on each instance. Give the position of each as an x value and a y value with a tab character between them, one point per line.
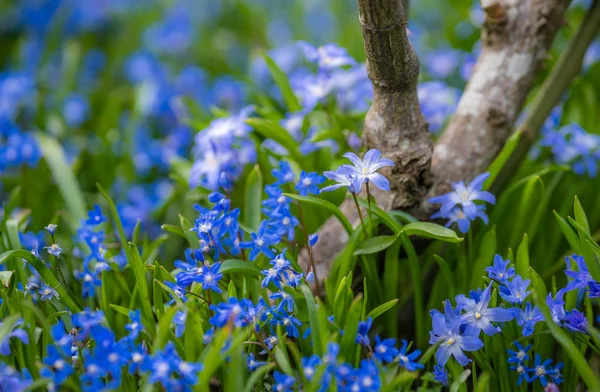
516	37
394	123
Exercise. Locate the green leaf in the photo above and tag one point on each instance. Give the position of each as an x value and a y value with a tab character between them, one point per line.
271	130
577	357
511	143
537	282
487	250
375	244
115	215
580	216
522	263
174	230
325	204
282	81
385	217
252	200
7	325
232	266
378	311
63	176
569	234
258	375
431	230
313	319
139	271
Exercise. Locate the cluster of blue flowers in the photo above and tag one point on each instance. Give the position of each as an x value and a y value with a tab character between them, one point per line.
459	205
458	329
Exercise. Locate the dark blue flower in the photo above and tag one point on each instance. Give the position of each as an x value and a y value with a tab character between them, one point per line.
522	371
284	174
210	277
520	356
408	360
309	183
14	332
135	327
500	271
581	278
452	341
362	336
253	363
575	321
440	374
58	369
540	370
309	366
478	316
177	290
95	216
515	291
261	241
283	382
528	317
385	350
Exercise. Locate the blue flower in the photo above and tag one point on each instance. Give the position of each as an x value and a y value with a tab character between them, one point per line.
366	377
309	366
210	277
515	291
287	301
478	316
557	306
276	201
177	290
14	332
464	196
462	221
283	382
362	336
271	341
95	216
284	174
135	327
365	170
312	239
54	249
452	342
440	374
328	57
522	371
340	179
51	228
500	271
58	369
253	363
290	323
409	360
46	292
575	321
581	278
12	380
528	317
261	241
75	110
385	350
541	370
519	356
308	183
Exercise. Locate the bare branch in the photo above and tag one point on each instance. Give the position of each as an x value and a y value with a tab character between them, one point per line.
516	37
547	97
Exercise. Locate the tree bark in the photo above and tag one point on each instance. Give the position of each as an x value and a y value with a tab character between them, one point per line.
516	37
394	123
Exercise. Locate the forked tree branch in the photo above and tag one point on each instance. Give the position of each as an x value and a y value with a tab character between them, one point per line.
516	37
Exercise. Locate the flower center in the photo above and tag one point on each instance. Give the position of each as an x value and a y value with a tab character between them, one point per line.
477	315
451	341
260	242
540	370
306	182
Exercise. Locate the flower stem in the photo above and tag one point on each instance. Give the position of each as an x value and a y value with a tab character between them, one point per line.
311	265
362	222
